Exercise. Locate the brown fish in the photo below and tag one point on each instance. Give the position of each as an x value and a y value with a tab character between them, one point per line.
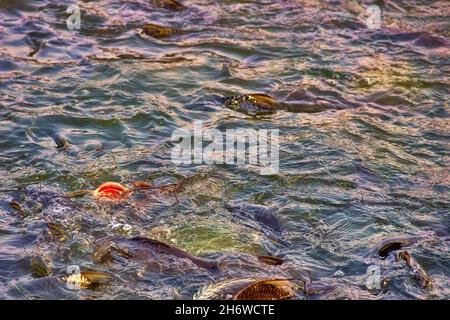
386	246
81	280
87	279
270	260
275	289
170	5
17	207
418	270
250	289
253	103
57	232
39	267
78	193
159	32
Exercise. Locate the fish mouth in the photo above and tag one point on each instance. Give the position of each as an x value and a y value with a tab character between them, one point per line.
112	191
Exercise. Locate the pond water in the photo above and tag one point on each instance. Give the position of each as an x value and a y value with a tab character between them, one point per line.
364	155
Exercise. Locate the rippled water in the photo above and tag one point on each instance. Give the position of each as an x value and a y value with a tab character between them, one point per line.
363	157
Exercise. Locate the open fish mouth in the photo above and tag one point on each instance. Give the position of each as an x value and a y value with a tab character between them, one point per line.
112	191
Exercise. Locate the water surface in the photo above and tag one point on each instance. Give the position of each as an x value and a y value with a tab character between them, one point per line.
364	157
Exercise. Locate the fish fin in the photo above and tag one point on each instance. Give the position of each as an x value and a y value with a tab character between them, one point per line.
78	193
268	289
18	208
277	282
97	277
270	260
141	185
57	231
418	270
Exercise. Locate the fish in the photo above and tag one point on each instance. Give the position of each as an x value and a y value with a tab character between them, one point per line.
270	260
39	266
56	207
427	40
159	32
60	141
111	191
250	289
253	103
35	46
418	270
146	249
266	216
57	231
78	193
17	207
58	284
108	191
172	5
271	225
386	246
87	279
142	185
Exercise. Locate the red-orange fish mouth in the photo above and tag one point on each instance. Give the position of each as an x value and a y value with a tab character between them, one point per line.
112	191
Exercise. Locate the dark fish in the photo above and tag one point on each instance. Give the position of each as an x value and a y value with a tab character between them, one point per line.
35	40
55	206
254	103
426	40
271	226
418	270
264	215
270	260
419	39
170	5
386	246
44	284
35	47
39	267
159	32
56	284
60	141
389	247
141	248
40	194
57	231
17	207
78	193
250	289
